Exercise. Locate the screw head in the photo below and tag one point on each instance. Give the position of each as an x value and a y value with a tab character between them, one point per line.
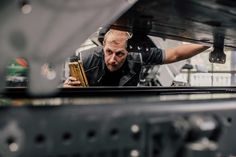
135	128
134	153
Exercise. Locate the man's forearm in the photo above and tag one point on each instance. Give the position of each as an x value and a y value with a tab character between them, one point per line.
184	52
190	50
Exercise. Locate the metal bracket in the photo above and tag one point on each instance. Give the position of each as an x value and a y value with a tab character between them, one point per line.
218	55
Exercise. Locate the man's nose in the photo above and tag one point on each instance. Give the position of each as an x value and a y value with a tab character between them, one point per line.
113	58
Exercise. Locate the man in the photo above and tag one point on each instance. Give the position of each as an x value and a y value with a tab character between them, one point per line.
113	65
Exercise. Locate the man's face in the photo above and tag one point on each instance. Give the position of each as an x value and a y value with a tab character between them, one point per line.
115	53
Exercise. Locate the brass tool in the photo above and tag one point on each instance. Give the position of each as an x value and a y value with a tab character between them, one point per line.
77	71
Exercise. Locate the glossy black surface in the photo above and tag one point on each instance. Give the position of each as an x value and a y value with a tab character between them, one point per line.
187	20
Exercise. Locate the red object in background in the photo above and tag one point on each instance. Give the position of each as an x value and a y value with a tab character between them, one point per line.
22	62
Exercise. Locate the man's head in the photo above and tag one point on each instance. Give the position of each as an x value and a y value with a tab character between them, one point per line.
115	43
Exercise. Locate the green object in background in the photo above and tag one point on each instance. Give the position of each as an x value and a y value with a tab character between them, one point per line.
17	72
15	69
5	102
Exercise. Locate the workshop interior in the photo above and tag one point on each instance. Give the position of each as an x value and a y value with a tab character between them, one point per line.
181	109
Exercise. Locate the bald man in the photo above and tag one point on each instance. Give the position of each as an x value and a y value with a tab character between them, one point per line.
113	65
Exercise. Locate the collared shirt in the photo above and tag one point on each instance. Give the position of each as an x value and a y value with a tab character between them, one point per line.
93	62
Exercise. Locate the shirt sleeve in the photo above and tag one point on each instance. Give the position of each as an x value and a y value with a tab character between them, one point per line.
154	56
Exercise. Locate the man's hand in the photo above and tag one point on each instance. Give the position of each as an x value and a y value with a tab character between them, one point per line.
71	82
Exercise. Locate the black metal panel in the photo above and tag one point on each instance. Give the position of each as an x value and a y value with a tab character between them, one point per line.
120	92
114	127
188	20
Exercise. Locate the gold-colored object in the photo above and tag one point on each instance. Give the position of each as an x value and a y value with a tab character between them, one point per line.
77	71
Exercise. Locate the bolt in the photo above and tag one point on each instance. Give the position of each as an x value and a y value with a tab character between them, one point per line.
13	147
134	153
135	128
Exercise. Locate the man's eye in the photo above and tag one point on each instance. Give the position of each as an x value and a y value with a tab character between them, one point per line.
108	52
120	54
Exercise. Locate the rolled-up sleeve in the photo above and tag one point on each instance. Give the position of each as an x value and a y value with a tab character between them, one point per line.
154	56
